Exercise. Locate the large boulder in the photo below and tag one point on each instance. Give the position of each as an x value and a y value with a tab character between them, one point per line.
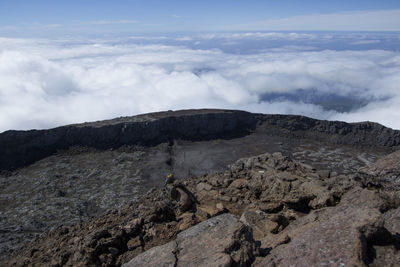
338	236
219	241
386	172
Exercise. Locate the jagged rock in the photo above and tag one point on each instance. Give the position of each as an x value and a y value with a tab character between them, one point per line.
203	186
259	223
392	221
157	256
219	241
340	236
296	204
385	172
184	200
187	220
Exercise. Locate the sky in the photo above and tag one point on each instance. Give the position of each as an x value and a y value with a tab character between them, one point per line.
48	17
64	62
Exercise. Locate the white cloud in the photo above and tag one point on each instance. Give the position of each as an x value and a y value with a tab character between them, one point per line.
178	16
259	35
374	20
105	22
50	83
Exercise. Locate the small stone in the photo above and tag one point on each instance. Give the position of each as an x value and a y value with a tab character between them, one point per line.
324	174
220	206
225	198
133	243
239	184
114	251
203	186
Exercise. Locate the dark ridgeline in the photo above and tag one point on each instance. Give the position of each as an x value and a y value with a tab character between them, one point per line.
21	148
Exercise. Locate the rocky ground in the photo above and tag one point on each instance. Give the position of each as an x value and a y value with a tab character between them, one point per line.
71	181
266	210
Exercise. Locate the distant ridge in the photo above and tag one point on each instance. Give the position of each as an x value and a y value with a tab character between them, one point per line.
21	148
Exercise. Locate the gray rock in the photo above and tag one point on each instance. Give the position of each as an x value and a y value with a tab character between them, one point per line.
219	241
392	221
158	256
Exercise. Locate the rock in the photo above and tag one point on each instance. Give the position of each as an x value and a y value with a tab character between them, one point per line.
202	214
338	237
210	210
270	207
259	222
203	186
82	171
238	184
392	221
324	174
184	200
282	201
113	251
220	206
26	147
219	241
385	171
133	225
163	256
134	243
187	220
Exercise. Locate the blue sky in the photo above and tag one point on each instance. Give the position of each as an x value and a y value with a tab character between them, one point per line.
126	16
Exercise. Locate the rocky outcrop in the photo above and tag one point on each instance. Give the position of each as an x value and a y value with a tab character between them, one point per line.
337	236
363	133
386	171
219	241
20	148
281	202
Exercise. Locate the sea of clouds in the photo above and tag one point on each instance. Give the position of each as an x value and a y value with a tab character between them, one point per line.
46	83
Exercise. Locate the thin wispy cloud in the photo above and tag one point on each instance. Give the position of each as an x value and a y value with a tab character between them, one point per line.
105	22
375	20
178	16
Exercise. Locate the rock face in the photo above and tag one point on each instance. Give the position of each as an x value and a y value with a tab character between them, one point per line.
339	236
387	169
219	241
21	148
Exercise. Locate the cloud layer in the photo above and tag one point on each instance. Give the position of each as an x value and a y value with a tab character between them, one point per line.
50	83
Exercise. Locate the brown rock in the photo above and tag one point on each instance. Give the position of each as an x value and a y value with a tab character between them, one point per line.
134	243
184	200
259	222
238	184
337	238
187	220
203	186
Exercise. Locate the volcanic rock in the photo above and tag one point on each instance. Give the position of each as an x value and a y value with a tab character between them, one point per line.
219	241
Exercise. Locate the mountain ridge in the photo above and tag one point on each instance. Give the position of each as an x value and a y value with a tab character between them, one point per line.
21	148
